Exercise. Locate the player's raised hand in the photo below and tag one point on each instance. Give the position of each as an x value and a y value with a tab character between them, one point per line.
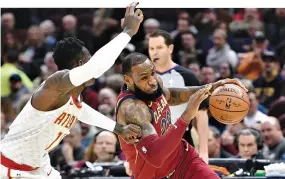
194	103
132	20
228	81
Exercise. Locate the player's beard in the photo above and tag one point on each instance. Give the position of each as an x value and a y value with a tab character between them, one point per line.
140	94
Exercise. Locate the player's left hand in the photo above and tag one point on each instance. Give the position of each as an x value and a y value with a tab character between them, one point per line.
227	81
131	133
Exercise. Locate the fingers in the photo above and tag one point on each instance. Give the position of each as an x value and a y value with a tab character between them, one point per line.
139	14
135	129
132	7
237	82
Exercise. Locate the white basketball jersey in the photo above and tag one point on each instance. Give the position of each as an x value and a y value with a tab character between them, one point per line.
35	133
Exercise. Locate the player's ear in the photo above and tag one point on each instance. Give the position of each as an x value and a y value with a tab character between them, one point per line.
171	47
80	63
128	80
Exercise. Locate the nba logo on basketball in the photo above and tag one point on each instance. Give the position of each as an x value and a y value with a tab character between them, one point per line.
228	103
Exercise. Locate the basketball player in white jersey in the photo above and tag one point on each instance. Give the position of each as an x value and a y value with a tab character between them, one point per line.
160	50
56	105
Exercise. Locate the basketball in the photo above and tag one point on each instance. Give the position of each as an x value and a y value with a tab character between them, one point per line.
229	104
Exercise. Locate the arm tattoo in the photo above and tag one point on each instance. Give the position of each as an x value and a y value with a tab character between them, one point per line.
181	95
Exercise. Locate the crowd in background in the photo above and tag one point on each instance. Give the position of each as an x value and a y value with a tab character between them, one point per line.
214	44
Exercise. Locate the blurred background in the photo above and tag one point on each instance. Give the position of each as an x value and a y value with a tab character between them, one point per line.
248	44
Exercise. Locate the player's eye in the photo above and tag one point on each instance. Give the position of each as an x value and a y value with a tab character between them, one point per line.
144	78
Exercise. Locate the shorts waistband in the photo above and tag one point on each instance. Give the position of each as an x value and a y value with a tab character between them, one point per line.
15	166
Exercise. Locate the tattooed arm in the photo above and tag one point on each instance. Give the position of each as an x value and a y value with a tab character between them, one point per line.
133	111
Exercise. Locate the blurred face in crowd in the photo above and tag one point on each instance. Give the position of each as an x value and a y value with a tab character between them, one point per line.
280	12
253	28
69	23
8	21
9	40
74	138
159	51
84	128
15	86
259	46
35	35
208	75
219	38
107	96
271	131
213	145
195	68
251	14
269	65
234	128
105	146
188	41
253	104
225	71
247	146
182	25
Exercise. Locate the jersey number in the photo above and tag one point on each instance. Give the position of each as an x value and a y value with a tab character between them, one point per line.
51	146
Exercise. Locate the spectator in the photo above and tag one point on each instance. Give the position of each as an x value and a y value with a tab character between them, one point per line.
251	63
150	25
102	148
87	133
249	142
225	71
69	151
107	100
69	26
228	137
269	85
48	29
7	22
33	52
188	52
195	68
9	68
208	75
221	52
18	90
214	144
274	140
9	43
254	115
115	82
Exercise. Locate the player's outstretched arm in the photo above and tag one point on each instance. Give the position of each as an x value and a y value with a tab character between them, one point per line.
103	59
136	112
129	133
176	96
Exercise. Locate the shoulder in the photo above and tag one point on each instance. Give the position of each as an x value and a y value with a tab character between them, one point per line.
54	80
188	76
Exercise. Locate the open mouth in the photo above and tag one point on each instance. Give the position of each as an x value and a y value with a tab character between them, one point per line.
155	60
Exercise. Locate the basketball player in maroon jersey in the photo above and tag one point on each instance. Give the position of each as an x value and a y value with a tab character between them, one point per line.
161	152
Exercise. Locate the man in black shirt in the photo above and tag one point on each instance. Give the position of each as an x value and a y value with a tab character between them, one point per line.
269	85
173	75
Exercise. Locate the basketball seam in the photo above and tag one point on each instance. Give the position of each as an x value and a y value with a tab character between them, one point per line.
228	110
231	96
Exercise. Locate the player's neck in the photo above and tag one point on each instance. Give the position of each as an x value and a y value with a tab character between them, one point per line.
76	92
165	67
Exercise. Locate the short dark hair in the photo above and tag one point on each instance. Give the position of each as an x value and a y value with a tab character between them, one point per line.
131	60
164	34
66	51
12	56
216	132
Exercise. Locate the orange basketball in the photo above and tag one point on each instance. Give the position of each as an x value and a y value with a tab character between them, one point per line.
229	104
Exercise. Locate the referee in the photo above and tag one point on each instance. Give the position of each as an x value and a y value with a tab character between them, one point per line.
160	50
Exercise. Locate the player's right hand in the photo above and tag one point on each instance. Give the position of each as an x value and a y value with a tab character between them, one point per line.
131	133
132	20
194	103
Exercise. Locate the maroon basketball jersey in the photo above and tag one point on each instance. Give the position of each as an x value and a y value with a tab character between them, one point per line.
161	120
